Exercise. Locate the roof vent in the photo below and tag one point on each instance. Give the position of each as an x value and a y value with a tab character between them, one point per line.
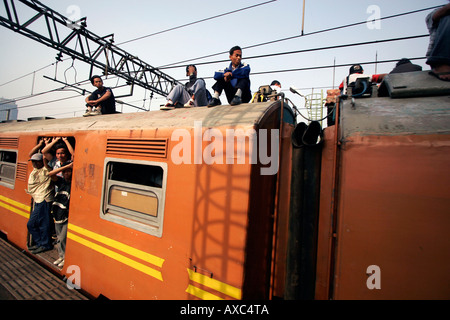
150	147
7	142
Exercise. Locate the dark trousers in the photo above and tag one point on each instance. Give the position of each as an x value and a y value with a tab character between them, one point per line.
39	224
440	53
230	91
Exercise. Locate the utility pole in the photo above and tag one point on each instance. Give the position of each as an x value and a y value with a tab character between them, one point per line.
303	18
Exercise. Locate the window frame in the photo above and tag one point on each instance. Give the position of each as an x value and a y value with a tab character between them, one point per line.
5	181
126	217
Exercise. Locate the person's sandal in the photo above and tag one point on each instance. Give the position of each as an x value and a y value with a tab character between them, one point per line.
438	74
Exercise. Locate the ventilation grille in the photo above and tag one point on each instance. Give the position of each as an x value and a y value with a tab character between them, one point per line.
6	142
21	172
138	147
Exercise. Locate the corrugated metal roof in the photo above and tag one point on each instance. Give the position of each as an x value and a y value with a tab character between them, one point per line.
243	115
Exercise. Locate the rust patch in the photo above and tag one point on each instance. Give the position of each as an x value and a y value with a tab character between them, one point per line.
85	179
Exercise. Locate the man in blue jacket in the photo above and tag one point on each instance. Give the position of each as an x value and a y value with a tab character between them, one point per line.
235	80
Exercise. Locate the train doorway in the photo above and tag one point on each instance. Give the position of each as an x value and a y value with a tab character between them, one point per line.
58	155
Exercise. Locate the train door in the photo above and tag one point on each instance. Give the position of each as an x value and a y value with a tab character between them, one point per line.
60	152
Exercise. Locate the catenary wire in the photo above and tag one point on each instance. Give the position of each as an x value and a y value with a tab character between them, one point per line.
198	21
326	67
302	35
171	65
284	39
309	50
247	47
28	74
156	33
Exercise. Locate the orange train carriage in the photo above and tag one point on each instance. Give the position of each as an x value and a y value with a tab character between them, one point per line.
164	206
148	220
385	194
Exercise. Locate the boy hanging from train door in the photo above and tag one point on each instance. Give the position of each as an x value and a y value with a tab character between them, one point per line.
41	190
63	151
61	176
60	208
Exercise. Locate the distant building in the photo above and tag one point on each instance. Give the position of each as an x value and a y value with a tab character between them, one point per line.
8	110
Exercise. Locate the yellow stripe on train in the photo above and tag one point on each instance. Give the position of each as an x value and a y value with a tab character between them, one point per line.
116	256
212	284
202	294
157	261
14	206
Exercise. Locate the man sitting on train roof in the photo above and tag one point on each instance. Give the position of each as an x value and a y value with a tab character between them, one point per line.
193	93
101	99
276	87
438	53
356	71
402	66
235	80
405	65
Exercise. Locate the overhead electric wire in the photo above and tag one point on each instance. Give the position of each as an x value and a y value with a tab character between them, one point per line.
333	66
61	99
326	67
301	35
172	65
167	66
309	50
28	96
163	31
156	33
198	21
28	74
41	103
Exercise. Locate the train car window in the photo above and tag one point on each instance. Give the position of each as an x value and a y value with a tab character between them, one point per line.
8	164
134	193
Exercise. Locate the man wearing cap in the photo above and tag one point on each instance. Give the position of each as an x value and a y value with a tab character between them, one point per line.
275	85
42	191
192	94
356	71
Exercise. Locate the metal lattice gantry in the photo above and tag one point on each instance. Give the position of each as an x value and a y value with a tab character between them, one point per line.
40	23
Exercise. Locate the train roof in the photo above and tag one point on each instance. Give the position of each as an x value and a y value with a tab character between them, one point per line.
245	115
418	103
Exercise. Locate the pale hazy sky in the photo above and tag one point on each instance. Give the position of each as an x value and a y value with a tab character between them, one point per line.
275	20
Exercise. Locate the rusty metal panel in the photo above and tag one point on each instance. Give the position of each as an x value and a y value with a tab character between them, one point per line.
415	84
393	212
